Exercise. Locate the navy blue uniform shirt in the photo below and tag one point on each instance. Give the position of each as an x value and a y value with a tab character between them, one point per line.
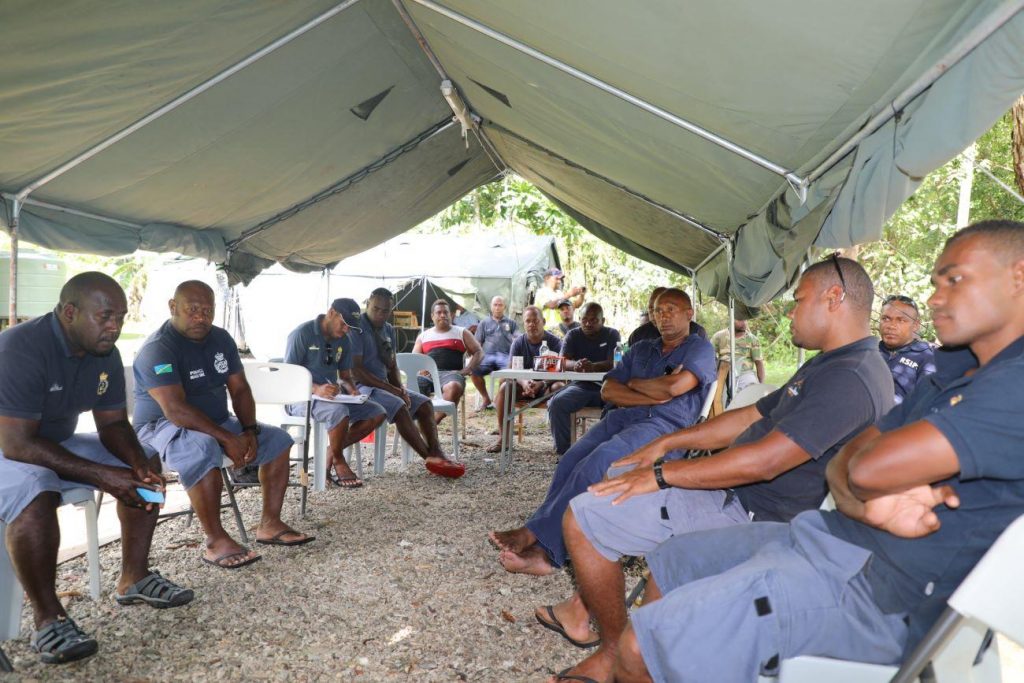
645	360
908	364
369	345
522	346
43	381
829	400
496	336
201	368
578	346
980	417
321	356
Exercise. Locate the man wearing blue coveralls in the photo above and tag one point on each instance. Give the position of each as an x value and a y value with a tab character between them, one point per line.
921	497
55	367
659	387
772	466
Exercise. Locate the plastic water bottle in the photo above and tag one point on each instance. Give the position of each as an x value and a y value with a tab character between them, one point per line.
544	350
618	353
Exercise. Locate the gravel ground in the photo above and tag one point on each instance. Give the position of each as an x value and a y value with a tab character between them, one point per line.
400	583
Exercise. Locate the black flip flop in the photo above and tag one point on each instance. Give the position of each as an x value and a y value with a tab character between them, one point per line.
564	675
556	626
276	539
218	561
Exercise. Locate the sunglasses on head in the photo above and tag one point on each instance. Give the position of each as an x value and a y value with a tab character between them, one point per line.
900	298
839	271
328	354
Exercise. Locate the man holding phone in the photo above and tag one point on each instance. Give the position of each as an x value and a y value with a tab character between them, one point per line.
323	347
56	367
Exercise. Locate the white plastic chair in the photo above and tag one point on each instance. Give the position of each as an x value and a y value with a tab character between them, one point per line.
750	395
412	364
278	385
959	647
12	595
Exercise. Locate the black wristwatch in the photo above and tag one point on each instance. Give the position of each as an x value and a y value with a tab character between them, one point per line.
658	476
254	428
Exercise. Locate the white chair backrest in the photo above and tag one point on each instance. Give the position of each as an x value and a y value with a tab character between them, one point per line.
750	395
278	383
705	409
129	389
993	592
414	363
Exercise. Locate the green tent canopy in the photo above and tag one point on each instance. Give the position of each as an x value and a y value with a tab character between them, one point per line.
723	139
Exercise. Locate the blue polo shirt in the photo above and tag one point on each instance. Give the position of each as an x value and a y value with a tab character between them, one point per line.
645	360
578	346
201	368
980	416
908	364
496	336
368	345
43	381
829	400
323	357
522	346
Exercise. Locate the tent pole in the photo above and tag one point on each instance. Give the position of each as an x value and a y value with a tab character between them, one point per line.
73	212
12	287
963	209
183	98
423	318
790	176
800	354
732	326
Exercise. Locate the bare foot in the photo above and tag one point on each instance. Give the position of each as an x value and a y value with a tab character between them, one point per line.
573	617
225	552
597	666
495	447
533	561
516	540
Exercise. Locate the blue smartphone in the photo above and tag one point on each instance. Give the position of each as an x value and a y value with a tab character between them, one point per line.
149	495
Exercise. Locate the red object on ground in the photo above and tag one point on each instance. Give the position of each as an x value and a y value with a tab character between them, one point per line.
452	470
368	438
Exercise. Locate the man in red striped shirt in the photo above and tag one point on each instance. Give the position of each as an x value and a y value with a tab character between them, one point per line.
448	345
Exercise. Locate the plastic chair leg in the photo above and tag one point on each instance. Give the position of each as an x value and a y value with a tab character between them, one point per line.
92	536
380	448
319	457
234	505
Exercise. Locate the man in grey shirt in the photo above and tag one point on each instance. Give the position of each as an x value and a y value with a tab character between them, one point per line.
495	335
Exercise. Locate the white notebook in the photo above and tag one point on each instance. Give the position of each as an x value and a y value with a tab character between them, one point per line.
343	398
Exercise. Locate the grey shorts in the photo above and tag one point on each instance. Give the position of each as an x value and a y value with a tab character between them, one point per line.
391	403
331	414
192	454
21	483
642	523
761	593
426	385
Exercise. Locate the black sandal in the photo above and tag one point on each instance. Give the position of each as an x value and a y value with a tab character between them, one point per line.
155	591
62	641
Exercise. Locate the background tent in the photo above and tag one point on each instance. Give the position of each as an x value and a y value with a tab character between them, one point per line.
727	138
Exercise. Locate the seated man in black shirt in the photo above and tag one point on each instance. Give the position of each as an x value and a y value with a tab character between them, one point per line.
587	348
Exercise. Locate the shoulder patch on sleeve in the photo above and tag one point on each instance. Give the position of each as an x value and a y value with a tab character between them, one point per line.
163	369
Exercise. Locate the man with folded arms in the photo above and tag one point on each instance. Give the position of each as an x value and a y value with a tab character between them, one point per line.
921	497
375	369
55	367
184	373
772	469
323	347
659	388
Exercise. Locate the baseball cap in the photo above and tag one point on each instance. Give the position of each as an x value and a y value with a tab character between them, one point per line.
348	309
555	272
564	302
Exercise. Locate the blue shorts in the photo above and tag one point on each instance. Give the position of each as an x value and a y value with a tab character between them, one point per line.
642	523
21	483
491	363
391	403
192	454
762	592
331	414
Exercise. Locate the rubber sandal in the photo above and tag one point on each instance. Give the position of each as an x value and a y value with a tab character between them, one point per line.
564	675
276	539
62	641
446	468
340	482
155	591
556	626
219	560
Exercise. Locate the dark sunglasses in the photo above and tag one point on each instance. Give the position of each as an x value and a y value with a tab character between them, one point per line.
901	299
839	270
328	354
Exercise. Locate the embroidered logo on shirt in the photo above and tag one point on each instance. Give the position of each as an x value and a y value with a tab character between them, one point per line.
164	369
102	387
956	399
196	374
909	363
220	363
794	388
314	347
56	387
